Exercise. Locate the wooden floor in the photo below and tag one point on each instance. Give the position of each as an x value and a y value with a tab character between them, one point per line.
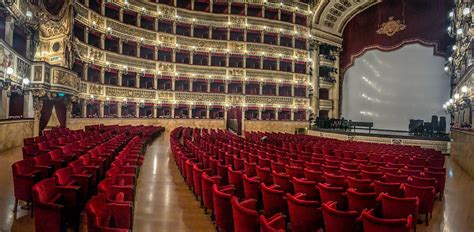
164	202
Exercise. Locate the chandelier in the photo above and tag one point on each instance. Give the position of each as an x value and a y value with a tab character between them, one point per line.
8	3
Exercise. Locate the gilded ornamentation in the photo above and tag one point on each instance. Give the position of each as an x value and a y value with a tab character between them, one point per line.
98	19
196	97
237	20
6	57
235	99
96	89
301	101
391	27
23	69
237	47
128	30
37	73
236	72
165	96
166	39
61	77
83	88
268	100
130	93
164	67
47	74
166	10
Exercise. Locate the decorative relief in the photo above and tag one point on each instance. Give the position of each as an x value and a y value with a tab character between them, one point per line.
200	70
99	20
391	27
47	74
96	89
301	101
268	100
83	88
301	78
38	71
236	46
300	53
81	10
237	20
166	10
236	72
130	62
165	67
235	99
135	32
23	69
61	77
165	96
166	38
6	57
199	97
121	92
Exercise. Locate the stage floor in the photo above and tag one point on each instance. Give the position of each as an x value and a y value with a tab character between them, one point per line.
383	133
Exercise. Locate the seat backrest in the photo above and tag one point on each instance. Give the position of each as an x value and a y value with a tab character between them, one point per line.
335	194
245	214
338	221
273	199
44	190
393	189
62	176
359	201
43	160
395	207
304	214
22	167
425	195
373	224
361	185
276	223
222	209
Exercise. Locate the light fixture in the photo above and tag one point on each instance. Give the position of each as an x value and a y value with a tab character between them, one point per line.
446	68
124	99
464	89
9	71
449	29
29	14
450	59
108	98
451	101
26	81
455	47
451	14
92	96
448	103
459	31
445	106
466	11
456	96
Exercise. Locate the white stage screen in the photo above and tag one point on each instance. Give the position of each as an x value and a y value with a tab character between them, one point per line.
390	88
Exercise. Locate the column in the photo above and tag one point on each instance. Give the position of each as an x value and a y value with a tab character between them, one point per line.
191	55
259	113
120	46
121	14
335	92
210	29
29	51
227	56
276	114
172	111
137	110
102	8
155	82
174	27
244	87
119	78
277	88
86	35
155	111
307	114
293	66
139	20
173	83
119	109
137	80
85	71
102	41
138	49
192	30
84	108
156	24
155	53
101	110
292	115
293	90
208	86
9	28
173	54
4	104
28	111
314	78
190	111
102	76
208	112
191	85
226	87
260	88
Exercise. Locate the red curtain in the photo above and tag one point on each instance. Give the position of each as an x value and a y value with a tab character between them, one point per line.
47	111
426	22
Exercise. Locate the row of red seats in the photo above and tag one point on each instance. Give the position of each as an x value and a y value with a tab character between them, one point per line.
191	166
70	186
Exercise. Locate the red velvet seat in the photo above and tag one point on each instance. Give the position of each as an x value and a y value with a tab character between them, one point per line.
103	216
276	223
45	161
198	169
392	178
207	183
304	214
392	189
358	201
331	169
306	187
122	174
87	160
53	204
277	166
25	175
117	193
339	221
335	180
273	200
223	207
386	170
189	172
369	168
250	169
283	180
235	179
251	187
294	171
78	167
425	195
440	181
372	175
373	224
395	207
245	215
222	171
312	175
335	194
350	172
265	174
64	177
422	181
361	185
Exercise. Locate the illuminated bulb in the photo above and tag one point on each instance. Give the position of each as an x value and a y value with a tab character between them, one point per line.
448	103
194	20
143	8
125	99
26	81
456	96
29	14
92	96
108	99
466	11
459	31
455	47
264	27
451	101
124	67
9	71
451	14
446	68
445	106
142	101
109	29
450	59
449	29
192	74
464	89
94	22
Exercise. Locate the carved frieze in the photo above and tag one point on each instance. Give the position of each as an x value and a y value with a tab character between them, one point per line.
268	100
38	72
236	47
235	99
165	96
165	67
61	77
166	39
96	89
301	101
129	30
237	20
47	74
236	72
99	20
130	93
196	97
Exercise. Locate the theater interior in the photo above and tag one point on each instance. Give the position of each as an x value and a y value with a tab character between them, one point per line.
236	115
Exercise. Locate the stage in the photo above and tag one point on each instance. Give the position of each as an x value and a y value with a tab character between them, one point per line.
386	137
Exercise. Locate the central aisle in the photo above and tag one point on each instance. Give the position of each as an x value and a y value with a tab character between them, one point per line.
163	201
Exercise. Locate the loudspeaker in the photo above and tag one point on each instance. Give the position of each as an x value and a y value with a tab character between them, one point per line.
434	123
442	125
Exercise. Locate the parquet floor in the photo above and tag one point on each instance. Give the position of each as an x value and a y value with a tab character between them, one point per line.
164	203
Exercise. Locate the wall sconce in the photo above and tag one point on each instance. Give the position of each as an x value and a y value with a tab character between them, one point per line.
142	104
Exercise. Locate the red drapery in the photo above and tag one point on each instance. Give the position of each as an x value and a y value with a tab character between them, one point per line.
47	110
425	22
